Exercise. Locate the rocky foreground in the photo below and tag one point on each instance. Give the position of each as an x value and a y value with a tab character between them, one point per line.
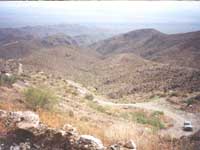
24	131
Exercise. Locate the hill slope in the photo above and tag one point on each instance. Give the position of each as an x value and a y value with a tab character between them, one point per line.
83	35
120	72
179	49
126	74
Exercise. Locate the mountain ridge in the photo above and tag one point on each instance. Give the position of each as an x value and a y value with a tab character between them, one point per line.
154	45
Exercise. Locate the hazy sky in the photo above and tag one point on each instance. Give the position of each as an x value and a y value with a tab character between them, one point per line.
169	16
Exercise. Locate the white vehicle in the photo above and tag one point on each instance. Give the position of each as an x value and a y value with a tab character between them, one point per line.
187	126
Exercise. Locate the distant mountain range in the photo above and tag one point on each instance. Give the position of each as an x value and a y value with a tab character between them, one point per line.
82	34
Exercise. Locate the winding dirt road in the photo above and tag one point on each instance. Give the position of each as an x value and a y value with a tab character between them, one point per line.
178	116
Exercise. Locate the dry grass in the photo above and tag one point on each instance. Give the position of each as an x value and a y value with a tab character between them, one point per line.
145	139
52	119
11	107
123	132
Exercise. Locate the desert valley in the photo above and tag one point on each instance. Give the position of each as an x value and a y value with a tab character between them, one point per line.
76	87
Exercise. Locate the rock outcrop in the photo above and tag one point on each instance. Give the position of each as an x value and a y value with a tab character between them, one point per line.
90	142
24	131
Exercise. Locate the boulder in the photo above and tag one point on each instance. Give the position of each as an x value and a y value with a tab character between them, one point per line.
88	142
130	145
114	147
22	120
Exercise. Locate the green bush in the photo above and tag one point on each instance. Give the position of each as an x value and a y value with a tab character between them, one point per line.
157	113
40	98
173	94
154	97
89	97
7	80
190	101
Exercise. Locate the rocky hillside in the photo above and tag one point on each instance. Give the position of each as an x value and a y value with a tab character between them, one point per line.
58	39
175	49
69	61
77	105
117	75
14	48
126	74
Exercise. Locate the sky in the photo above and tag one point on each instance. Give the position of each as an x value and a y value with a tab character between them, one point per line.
167	16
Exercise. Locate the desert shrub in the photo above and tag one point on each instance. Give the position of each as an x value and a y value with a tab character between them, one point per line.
97	107
40	98
192	100
85	118
154	97
7	80
157	113
89	97
74	93
173	94
71	113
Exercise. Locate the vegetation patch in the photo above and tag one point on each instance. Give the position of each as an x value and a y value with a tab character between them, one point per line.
153	119
89	97
158	113
154	97
99	108
192	100
36	97
7	80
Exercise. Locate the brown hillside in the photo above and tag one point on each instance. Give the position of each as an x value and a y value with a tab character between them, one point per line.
125	74
119	72
178	49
